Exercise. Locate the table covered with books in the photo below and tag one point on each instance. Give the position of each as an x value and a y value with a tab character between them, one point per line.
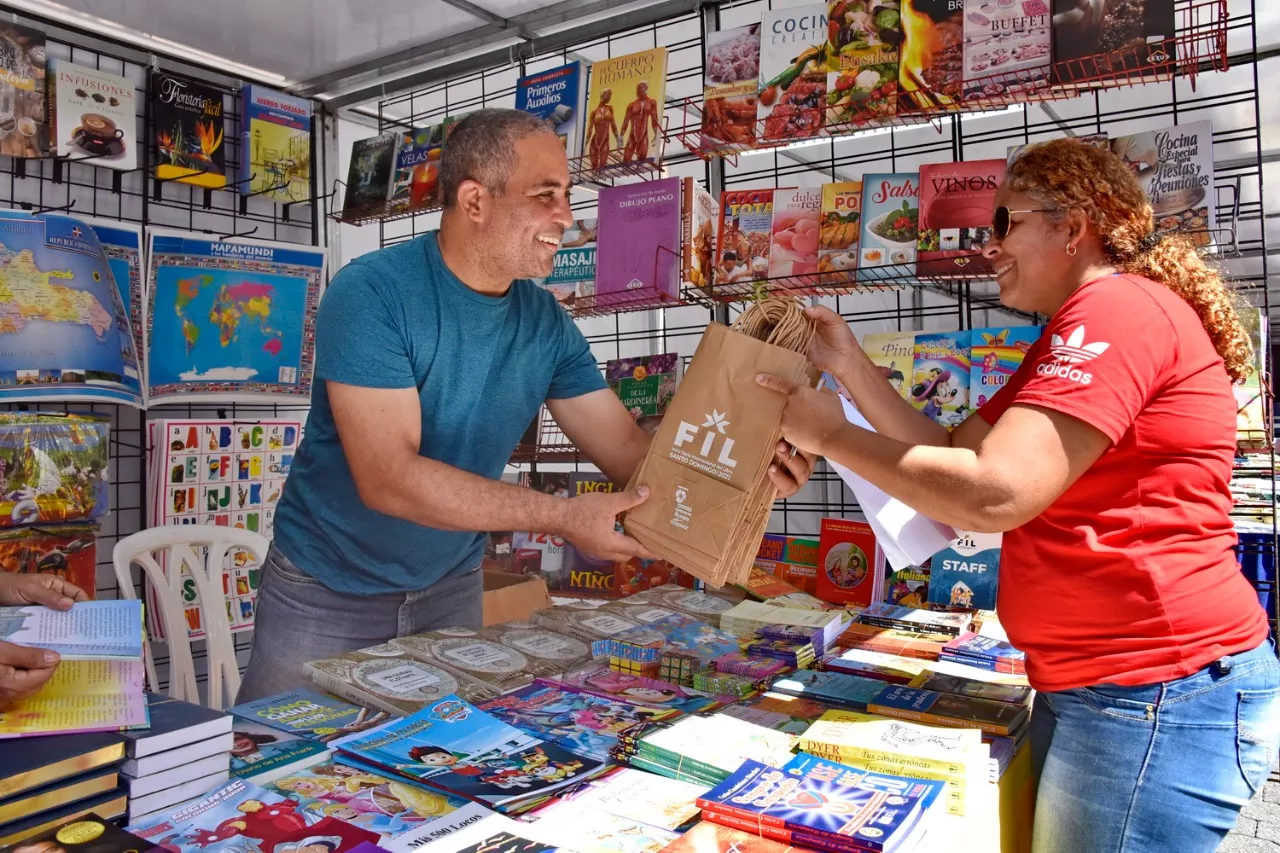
671	719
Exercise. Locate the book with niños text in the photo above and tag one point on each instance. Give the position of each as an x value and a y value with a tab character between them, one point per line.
638	253
1131	41
793	81
275	145
189	128
559	96
966	573
312	715
890	224
373	163
956	200
92	115
90	630
625	102
746	230
456	747
995	354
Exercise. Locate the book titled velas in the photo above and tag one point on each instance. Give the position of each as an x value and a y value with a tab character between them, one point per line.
823	805
455	747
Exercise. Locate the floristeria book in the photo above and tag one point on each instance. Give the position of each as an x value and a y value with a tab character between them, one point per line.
187	118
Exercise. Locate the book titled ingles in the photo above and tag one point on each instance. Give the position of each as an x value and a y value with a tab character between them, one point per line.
188	130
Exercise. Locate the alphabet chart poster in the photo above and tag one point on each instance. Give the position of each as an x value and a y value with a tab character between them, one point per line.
224	473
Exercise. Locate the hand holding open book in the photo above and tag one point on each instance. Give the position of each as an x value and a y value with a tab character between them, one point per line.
23	671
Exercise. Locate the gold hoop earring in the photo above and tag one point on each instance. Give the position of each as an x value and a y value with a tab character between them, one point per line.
1071	250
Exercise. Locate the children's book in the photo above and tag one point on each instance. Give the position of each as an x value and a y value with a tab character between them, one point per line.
437	831
995	354
894	353
312	715
940	385
238	816
812	800
370	801
258	749
1126	41
456	747
90	630
643	797
583	724
598	680
67	550
907	587
82	696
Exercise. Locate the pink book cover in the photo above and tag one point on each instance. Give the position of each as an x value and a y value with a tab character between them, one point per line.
638	243
956	204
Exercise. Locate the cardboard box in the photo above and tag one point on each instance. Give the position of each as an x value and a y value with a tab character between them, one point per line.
512	598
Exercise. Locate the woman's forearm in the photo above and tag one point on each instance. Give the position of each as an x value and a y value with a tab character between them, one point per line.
886	410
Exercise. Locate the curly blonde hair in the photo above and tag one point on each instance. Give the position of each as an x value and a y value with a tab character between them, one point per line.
1068	173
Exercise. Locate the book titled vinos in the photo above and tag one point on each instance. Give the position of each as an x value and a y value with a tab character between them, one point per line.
560	97
275	148
966	572
638	256
956	200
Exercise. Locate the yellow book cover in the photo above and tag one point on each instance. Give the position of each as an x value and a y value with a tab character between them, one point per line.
955	752
275	153
895	354
82	696
624	109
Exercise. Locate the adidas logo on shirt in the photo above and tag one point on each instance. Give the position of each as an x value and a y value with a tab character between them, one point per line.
1070	352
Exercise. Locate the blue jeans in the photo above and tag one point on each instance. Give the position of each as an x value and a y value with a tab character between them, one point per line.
300	619
1158	767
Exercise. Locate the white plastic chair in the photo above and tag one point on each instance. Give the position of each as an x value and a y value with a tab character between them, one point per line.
179	544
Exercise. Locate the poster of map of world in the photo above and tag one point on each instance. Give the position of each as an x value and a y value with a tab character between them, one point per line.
64	328
229	321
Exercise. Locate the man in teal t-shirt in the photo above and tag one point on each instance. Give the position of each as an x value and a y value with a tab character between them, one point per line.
432	358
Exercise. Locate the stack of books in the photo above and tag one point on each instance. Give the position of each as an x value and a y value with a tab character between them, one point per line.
948	709
749	617
915	619
184	754
844	809
850	692
925	645
986	653
702	750
898	670
50	780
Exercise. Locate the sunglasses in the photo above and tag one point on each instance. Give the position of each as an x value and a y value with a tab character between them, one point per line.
1003	222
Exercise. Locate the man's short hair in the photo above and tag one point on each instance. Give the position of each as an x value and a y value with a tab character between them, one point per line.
482	147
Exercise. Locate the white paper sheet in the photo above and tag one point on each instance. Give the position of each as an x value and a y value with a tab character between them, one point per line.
906	537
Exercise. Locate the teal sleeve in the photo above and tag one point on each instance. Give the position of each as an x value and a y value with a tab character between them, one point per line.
360	336
576	370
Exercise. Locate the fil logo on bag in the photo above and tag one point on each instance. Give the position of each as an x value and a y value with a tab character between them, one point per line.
707	448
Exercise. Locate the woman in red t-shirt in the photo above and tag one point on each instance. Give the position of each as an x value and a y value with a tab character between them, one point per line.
1105	463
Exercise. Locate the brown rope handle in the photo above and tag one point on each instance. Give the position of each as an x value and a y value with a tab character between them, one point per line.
779	321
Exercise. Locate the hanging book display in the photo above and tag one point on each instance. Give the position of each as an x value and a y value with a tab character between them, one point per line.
416	177
122	244
225	474
1174	165
1132	41
92	115
63	322
24	131
373	165
275	145
862	49
730	82
619	135
793	72
229	321
573	271
559	96
187	122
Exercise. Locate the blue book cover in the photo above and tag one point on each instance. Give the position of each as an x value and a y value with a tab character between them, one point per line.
835	688
456	747
558	96
988	648
275	145
312	715
966	572
257	749
874	811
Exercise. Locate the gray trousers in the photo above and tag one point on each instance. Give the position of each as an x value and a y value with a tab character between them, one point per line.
300	619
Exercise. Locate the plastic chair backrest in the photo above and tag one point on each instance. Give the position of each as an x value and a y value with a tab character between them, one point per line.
179	544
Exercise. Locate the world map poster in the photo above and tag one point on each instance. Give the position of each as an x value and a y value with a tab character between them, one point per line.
64	328
229	321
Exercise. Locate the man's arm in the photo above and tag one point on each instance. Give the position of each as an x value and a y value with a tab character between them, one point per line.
381	430
601	427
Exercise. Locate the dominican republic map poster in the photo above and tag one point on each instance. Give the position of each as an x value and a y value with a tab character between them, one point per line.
229	321
64	330
122	244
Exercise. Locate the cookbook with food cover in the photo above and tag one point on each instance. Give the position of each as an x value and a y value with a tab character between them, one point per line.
1175	167
730	82
956	200
1132	41
793	74
864	39
940	381
638	254
417	173
793	246
839	224
275	144
931	71
890	224
746	231
624	109
560	97
1006	48
188	121
24	131
92	115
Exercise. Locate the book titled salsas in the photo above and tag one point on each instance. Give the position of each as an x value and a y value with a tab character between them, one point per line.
638	256
189	127
92	115
890	222
956	200
559	96
275	145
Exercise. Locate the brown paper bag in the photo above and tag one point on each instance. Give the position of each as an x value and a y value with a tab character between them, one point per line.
710	496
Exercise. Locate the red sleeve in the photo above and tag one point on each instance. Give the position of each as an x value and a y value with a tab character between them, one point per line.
1101	358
